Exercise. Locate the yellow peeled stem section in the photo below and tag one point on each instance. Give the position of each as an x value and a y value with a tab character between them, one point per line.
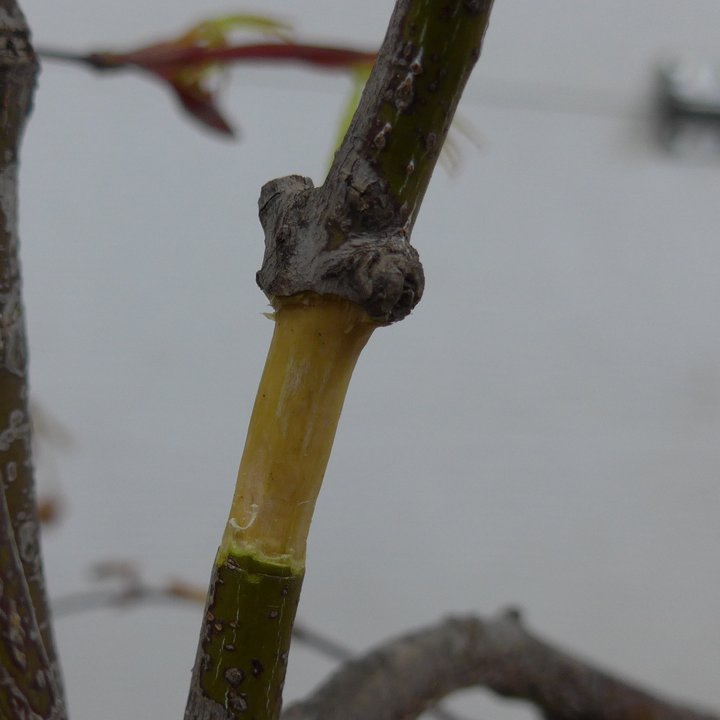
316	343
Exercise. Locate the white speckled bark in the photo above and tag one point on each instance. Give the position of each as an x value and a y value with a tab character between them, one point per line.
31	684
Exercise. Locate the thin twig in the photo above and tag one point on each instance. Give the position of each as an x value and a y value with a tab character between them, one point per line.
101	599
62	55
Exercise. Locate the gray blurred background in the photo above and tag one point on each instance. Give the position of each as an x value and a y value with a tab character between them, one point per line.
542	431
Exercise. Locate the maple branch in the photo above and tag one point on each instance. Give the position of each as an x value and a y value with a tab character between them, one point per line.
338	262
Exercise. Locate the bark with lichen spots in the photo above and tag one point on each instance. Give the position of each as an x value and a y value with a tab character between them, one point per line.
31	678
245	640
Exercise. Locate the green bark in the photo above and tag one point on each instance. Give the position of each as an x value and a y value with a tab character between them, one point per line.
244	643
440	44
407	108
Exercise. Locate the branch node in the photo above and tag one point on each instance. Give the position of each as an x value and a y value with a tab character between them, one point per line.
308	250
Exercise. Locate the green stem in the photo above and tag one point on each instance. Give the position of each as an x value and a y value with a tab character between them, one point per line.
337	262
410	99
244	643
240	666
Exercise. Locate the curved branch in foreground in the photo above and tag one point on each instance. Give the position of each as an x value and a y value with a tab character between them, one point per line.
407	675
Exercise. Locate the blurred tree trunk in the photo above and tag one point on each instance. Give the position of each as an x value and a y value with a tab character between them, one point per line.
30	684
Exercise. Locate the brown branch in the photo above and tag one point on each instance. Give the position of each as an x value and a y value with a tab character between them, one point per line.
131	591
405	676
331	648
79	602
174	57
28	684
186	63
